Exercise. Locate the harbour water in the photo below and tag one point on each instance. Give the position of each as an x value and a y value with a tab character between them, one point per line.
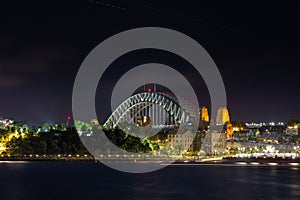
89	180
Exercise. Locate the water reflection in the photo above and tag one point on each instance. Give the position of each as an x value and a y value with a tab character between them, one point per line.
87	180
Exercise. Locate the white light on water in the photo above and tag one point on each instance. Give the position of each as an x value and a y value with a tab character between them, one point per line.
241	163
294	164
273	164
13	162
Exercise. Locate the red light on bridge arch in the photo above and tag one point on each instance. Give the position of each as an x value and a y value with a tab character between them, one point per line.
149	90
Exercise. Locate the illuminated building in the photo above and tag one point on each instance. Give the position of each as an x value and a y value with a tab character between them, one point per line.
270	138
222	116
260	124
245	135
204	119
183	142
204	114
270	129
237	129
215	143
143	121
229	130
293	130
95	122
197	142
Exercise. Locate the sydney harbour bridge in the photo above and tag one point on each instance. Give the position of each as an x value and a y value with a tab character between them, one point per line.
154	111
157	109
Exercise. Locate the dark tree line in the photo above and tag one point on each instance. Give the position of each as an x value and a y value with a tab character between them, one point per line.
52	142
128	142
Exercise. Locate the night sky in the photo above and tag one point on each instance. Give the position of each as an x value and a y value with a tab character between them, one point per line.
42	46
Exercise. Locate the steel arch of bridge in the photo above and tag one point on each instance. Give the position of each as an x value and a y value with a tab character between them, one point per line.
183	111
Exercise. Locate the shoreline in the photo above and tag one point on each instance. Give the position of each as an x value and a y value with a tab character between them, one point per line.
227	161
46	158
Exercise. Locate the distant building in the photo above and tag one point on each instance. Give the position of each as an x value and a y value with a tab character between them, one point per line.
244	135
182	142
143	121
293	130
187	142
237	128
95	122
260	124
222	116
269	129
197	142
204	119
214	143
270	138
254	125
228	130
204	114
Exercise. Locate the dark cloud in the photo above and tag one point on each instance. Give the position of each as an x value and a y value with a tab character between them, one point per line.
11	81
32	62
